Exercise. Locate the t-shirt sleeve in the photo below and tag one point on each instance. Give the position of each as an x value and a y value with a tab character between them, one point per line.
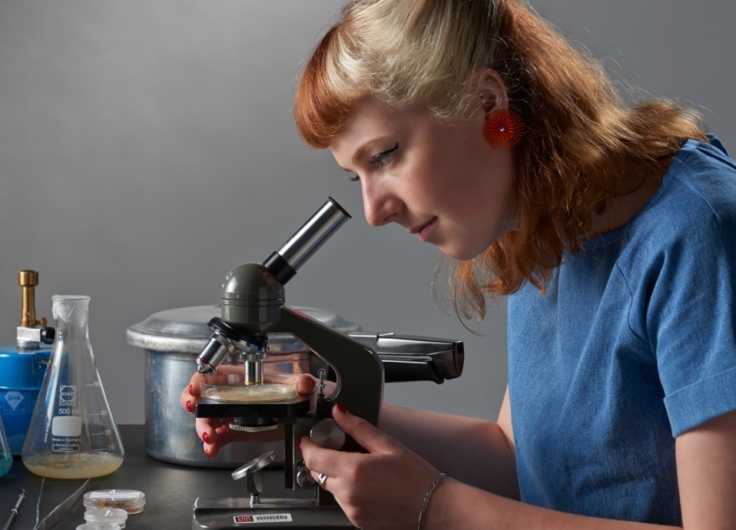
691	319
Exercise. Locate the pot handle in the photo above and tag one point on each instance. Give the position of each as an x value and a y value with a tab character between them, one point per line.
414	358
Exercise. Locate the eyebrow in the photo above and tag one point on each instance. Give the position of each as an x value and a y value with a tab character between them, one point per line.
360	152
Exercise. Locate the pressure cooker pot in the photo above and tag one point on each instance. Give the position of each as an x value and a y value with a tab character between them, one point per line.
172	340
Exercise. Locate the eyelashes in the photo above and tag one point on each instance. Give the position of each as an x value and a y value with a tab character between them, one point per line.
384	158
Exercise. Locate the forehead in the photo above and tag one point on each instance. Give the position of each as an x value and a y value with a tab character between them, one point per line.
371	119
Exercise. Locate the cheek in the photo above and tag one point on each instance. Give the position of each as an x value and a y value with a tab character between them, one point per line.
433	179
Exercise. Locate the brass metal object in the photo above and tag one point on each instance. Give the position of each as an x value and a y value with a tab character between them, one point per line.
28	281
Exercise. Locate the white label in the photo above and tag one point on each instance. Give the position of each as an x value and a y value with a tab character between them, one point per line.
266	518
66	426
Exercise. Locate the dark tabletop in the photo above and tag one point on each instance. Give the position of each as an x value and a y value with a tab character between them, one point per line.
170	489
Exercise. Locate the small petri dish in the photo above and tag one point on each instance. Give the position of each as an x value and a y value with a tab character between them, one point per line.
265	393
116	516
132	501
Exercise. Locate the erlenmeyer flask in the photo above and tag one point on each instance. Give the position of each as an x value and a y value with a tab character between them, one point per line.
6	457
72	433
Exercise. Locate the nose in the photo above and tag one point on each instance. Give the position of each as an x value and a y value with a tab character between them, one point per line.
380	204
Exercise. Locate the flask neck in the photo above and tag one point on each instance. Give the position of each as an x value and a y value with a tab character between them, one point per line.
71	314
66	332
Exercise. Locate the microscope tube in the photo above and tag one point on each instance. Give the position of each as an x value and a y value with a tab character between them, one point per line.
284	263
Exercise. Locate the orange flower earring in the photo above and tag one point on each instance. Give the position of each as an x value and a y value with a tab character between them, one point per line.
503	128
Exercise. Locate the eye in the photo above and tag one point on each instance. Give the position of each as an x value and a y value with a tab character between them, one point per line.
385	157
354	178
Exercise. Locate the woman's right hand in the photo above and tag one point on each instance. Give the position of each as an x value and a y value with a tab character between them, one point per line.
215	432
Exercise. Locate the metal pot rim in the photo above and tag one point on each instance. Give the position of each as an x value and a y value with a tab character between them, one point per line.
184	330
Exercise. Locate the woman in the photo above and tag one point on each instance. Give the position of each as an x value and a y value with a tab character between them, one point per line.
613	232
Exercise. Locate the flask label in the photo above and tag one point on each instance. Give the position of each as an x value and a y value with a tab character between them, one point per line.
65	432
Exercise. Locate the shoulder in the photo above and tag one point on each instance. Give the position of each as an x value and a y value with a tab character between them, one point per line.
703	175
696	202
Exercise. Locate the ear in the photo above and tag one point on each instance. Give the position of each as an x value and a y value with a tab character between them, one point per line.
490	90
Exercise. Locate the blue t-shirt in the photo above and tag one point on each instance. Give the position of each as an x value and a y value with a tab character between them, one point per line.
633	344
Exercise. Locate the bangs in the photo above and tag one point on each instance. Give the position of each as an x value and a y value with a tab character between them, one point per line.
322	102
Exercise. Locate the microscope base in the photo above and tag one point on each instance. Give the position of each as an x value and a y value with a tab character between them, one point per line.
292	514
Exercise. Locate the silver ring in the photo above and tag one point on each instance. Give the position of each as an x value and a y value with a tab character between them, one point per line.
321	478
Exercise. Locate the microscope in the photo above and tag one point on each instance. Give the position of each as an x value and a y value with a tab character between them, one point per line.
353	365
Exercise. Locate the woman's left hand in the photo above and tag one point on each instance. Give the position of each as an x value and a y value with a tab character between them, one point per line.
382	489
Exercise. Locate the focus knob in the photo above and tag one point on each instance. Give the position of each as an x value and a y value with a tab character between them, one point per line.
326	433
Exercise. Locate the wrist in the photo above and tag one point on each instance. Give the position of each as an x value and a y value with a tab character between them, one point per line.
424	512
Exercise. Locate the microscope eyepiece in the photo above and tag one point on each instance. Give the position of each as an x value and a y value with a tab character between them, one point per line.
284	263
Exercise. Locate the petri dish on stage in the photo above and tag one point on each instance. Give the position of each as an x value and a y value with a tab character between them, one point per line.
265	393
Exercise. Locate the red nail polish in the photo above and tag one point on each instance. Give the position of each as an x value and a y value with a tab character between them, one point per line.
205	438
190	407
341	408
191	390
299	443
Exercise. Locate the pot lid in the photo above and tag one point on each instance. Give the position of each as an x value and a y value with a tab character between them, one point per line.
184	330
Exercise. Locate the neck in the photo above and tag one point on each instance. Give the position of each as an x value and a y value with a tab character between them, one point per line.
638	187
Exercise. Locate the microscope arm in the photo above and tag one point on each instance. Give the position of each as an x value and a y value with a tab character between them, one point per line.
359	370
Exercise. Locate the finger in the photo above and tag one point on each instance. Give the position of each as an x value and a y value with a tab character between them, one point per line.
207	429
216	436
219	436
305	384
371	438
321	479
320	460
188	396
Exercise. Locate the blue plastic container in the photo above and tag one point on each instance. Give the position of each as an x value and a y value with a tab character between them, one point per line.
21	377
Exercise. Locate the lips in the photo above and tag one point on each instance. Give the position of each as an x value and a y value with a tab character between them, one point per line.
424	230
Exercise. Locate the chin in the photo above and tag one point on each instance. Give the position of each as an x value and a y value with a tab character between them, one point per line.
461	254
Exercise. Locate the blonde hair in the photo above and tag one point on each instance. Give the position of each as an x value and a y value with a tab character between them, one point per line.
579	140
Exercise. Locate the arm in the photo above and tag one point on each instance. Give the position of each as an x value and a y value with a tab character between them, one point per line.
385	487
706	468
706	473
477	452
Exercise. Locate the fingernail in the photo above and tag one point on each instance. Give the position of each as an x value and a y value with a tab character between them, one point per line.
205	437
191	390
207	452
190	407
341	408
299	443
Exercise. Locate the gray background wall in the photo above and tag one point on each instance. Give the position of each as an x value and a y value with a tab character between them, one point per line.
147	147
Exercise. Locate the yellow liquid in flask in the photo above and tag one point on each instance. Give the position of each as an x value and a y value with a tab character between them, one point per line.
72	466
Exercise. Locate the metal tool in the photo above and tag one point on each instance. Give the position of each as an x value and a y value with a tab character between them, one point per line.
58	513
13	513
253	305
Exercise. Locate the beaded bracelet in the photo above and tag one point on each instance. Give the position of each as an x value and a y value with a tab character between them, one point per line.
426	498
